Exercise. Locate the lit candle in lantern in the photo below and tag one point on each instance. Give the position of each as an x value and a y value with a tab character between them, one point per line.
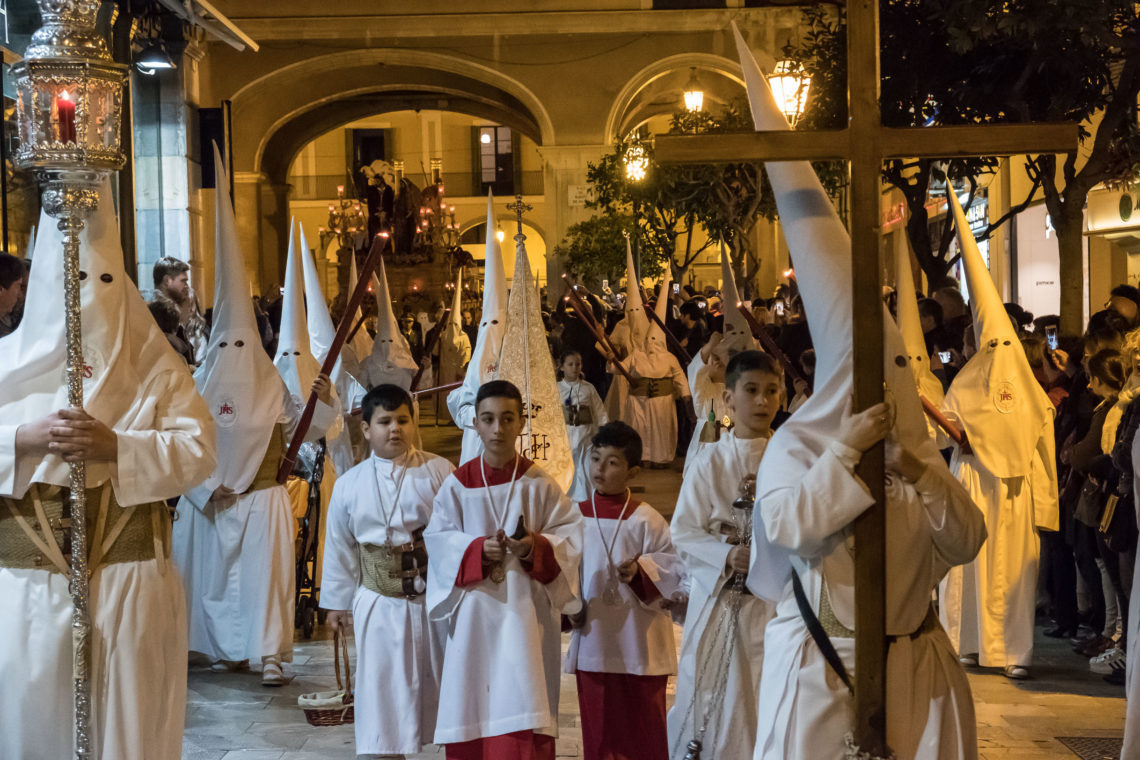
65	126
340	191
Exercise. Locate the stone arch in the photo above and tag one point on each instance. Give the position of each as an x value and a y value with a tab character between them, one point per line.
626	107
283	100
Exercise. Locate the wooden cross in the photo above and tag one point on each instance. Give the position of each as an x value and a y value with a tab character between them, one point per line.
865	144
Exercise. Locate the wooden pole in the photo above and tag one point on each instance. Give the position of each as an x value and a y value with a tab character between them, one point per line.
370	264
769	345
427	352
672	340
587	316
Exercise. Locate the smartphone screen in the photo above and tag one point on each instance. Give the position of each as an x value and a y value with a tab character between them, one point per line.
779	307
605	284
944	357
1051	338
676	288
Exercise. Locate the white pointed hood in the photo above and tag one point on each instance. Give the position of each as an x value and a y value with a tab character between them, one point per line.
294	359
906	300
636	322
737	332
821	248
322	330
361	342
526	362
999	402
455	346
493	322
655	342
236	378
123	349
391	360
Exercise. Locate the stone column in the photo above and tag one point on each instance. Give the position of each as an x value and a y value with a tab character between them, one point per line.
261	209
565	187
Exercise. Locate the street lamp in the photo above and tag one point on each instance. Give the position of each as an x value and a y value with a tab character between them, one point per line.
790	84
636	162
693	95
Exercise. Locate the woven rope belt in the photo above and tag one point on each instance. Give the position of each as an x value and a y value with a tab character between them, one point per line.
392	570
266	476
651	387
835	629
35	530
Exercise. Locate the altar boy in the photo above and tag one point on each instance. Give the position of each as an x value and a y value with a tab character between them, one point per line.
622	649
375	563
505	543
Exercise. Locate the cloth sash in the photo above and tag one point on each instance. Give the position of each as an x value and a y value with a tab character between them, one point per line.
651	387
35	530
392	570
266	476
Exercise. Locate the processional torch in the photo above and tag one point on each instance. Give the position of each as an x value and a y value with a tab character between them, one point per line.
68	112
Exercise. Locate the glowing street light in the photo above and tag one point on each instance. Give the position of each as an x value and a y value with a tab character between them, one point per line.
636	162
790	84
694	96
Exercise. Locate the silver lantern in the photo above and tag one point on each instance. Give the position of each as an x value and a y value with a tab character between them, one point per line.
68	112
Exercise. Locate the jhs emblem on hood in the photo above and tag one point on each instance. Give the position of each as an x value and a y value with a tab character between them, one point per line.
1004	397
93	367
226	413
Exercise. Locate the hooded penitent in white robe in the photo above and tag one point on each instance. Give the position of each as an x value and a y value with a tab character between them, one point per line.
235	552
322	332
582	404
910	325
526	362
501	658
701	527
625	645
1011	473
1131	746
399	652
361	342
808	496
713	415
391	360
484	361
136	385
455	346
648	406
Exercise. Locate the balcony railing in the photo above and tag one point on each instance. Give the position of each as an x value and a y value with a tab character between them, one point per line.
322	187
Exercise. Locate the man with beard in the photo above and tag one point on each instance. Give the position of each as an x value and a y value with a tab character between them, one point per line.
172	281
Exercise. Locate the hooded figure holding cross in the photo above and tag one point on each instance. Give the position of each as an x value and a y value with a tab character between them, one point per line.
809	496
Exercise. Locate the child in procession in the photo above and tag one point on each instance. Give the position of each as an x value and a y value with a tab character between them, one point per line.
584	412
719	672
622	649
375	564
505	543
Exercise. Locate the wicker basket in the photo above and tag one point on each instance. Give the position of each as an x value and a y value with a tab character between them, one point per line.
332	708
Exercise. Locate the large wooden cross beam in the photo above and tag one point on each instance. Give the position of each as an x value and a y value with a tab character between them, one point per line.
865	144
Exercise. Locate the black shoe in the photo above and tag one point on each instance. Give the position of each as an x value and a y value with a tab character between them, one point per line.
1060	632
1116	677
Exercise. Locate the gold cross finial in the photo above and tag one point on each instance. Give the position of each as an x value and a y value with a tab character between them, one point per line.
519	208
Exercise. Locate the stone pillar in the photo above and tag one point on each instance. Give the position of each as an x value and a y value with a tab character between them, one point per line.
565	188
261	209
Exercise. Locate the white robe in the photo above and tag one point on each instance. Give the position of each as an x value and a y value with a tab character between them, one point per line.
703	506
399	652
655	419
634	636
236	556
138	611
989	605
805	710
502	655
582	393
708	401
1131	747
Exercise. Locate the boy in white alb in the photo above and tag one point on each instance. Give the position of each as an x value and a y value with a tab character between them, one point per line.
622	649
375	564
505	544
723	643
585	413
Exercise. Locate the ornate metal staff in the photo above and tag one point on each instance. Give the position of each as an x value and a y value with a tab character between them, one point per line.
68	111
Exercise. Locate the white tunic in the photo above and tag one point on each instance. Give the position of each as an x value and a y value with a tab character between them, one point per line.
236	557
502	655
989	605
1132	685
805	710
583	394
634	636
399	653
703	508
138	610
655	419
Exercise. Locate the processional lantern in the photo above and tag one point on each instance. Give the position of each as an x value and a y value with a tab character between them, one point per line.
68	112
790	84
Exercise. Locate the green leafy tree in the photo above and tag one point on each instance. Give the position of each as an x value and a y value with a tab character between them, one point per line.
988	61
594	250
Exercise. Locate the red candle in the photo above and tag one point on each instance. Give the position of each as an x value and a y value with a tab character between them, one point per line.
65	107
